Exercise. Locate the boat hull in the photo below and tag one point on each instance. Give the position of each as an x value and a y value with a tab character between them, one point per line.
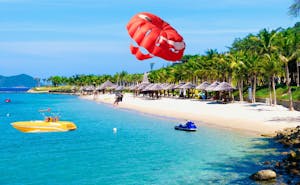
44	126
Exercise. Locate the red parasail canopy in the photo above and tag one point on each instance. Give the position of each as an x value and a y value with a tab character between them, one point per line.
156	36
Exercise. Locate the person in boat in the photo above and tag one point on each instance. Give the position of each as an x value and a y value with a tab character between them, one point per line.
47	119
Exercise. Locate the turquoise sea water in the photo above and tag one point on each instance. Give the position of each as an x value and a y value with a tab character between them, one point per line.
145	149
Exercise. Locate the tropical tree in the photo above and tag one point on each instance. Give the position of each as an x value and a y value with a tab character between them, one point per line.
252	60
239	69
55	80
151	65
294	9
289	50
265	41
38	81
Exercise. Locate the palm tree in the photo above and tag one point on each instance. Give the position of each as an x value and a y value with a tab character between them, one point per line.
272	67
289	50
239	70
297	69
38	81
56	80
252	60
266	48
211	59
151	66
122	75
294	9
116	77
254	67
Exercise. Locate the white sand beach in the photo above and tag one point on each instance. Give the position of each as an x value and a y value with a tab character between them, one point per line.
257	118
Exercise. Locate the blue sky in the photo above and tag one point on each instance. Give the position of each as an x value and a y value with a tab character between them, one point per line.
67	37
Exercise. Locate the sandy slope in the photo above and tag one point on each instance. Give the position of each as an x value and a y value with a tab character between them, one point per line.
257	118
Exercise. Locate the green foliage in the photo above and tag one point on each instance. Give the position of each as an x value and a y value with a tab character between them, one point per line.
281	93
67	89
121	78
262	93
294	9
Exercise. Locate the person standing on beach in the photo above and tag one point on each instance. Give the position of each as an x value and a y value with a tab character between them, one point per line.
119	98
116	99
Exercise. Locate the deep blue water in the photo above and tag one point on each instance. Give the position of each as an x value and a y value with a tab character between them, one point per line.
14	89
145	149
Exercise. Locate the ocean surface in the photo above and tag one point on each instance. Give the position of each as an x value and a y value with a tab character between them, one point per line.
13	89
145	150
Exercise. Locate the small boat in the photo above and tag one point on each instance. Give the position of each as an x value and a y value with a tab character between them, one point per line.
48	125
188	126
7	100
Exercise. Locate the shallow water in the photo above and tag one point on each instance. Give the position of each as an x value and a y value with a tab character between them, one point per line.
145	149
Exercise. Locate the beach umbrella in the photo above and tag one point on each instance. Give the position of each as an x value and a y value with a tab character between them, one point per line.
179	85
88	88
145	79
212	86
107	84
146	87
98	88
144	83
143	86
164	85
224	86
132	87
188	85
155	87
169	86
203	86
119	88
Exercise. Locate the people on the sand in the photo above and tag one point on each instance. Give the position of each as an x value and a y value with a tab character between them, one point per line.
119	98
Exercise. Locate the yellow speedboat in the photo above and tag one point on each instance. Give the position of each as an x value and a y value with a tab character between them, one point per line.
48	125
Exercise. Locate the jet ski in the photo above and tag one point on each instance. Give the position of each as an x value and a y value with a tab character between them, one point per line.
188	126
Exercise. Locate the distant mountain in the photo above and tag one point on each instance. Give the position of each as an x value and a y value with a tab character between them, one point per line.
22	80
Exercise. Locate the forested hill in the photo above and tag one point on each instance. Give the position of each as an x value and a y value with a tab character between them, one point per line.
21	80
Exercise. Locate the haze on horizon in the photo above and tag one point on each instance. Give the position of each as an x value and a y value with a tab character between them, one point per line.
68	37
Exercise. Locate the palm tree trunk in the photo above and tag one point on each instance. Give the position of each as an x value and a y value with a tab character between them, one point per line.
288	84
229	78
250	93
254	88
240	82
297	77
274	90
270	92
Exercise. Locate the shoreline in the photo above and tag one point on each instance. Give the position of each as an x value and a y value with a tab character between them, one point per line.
254	119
